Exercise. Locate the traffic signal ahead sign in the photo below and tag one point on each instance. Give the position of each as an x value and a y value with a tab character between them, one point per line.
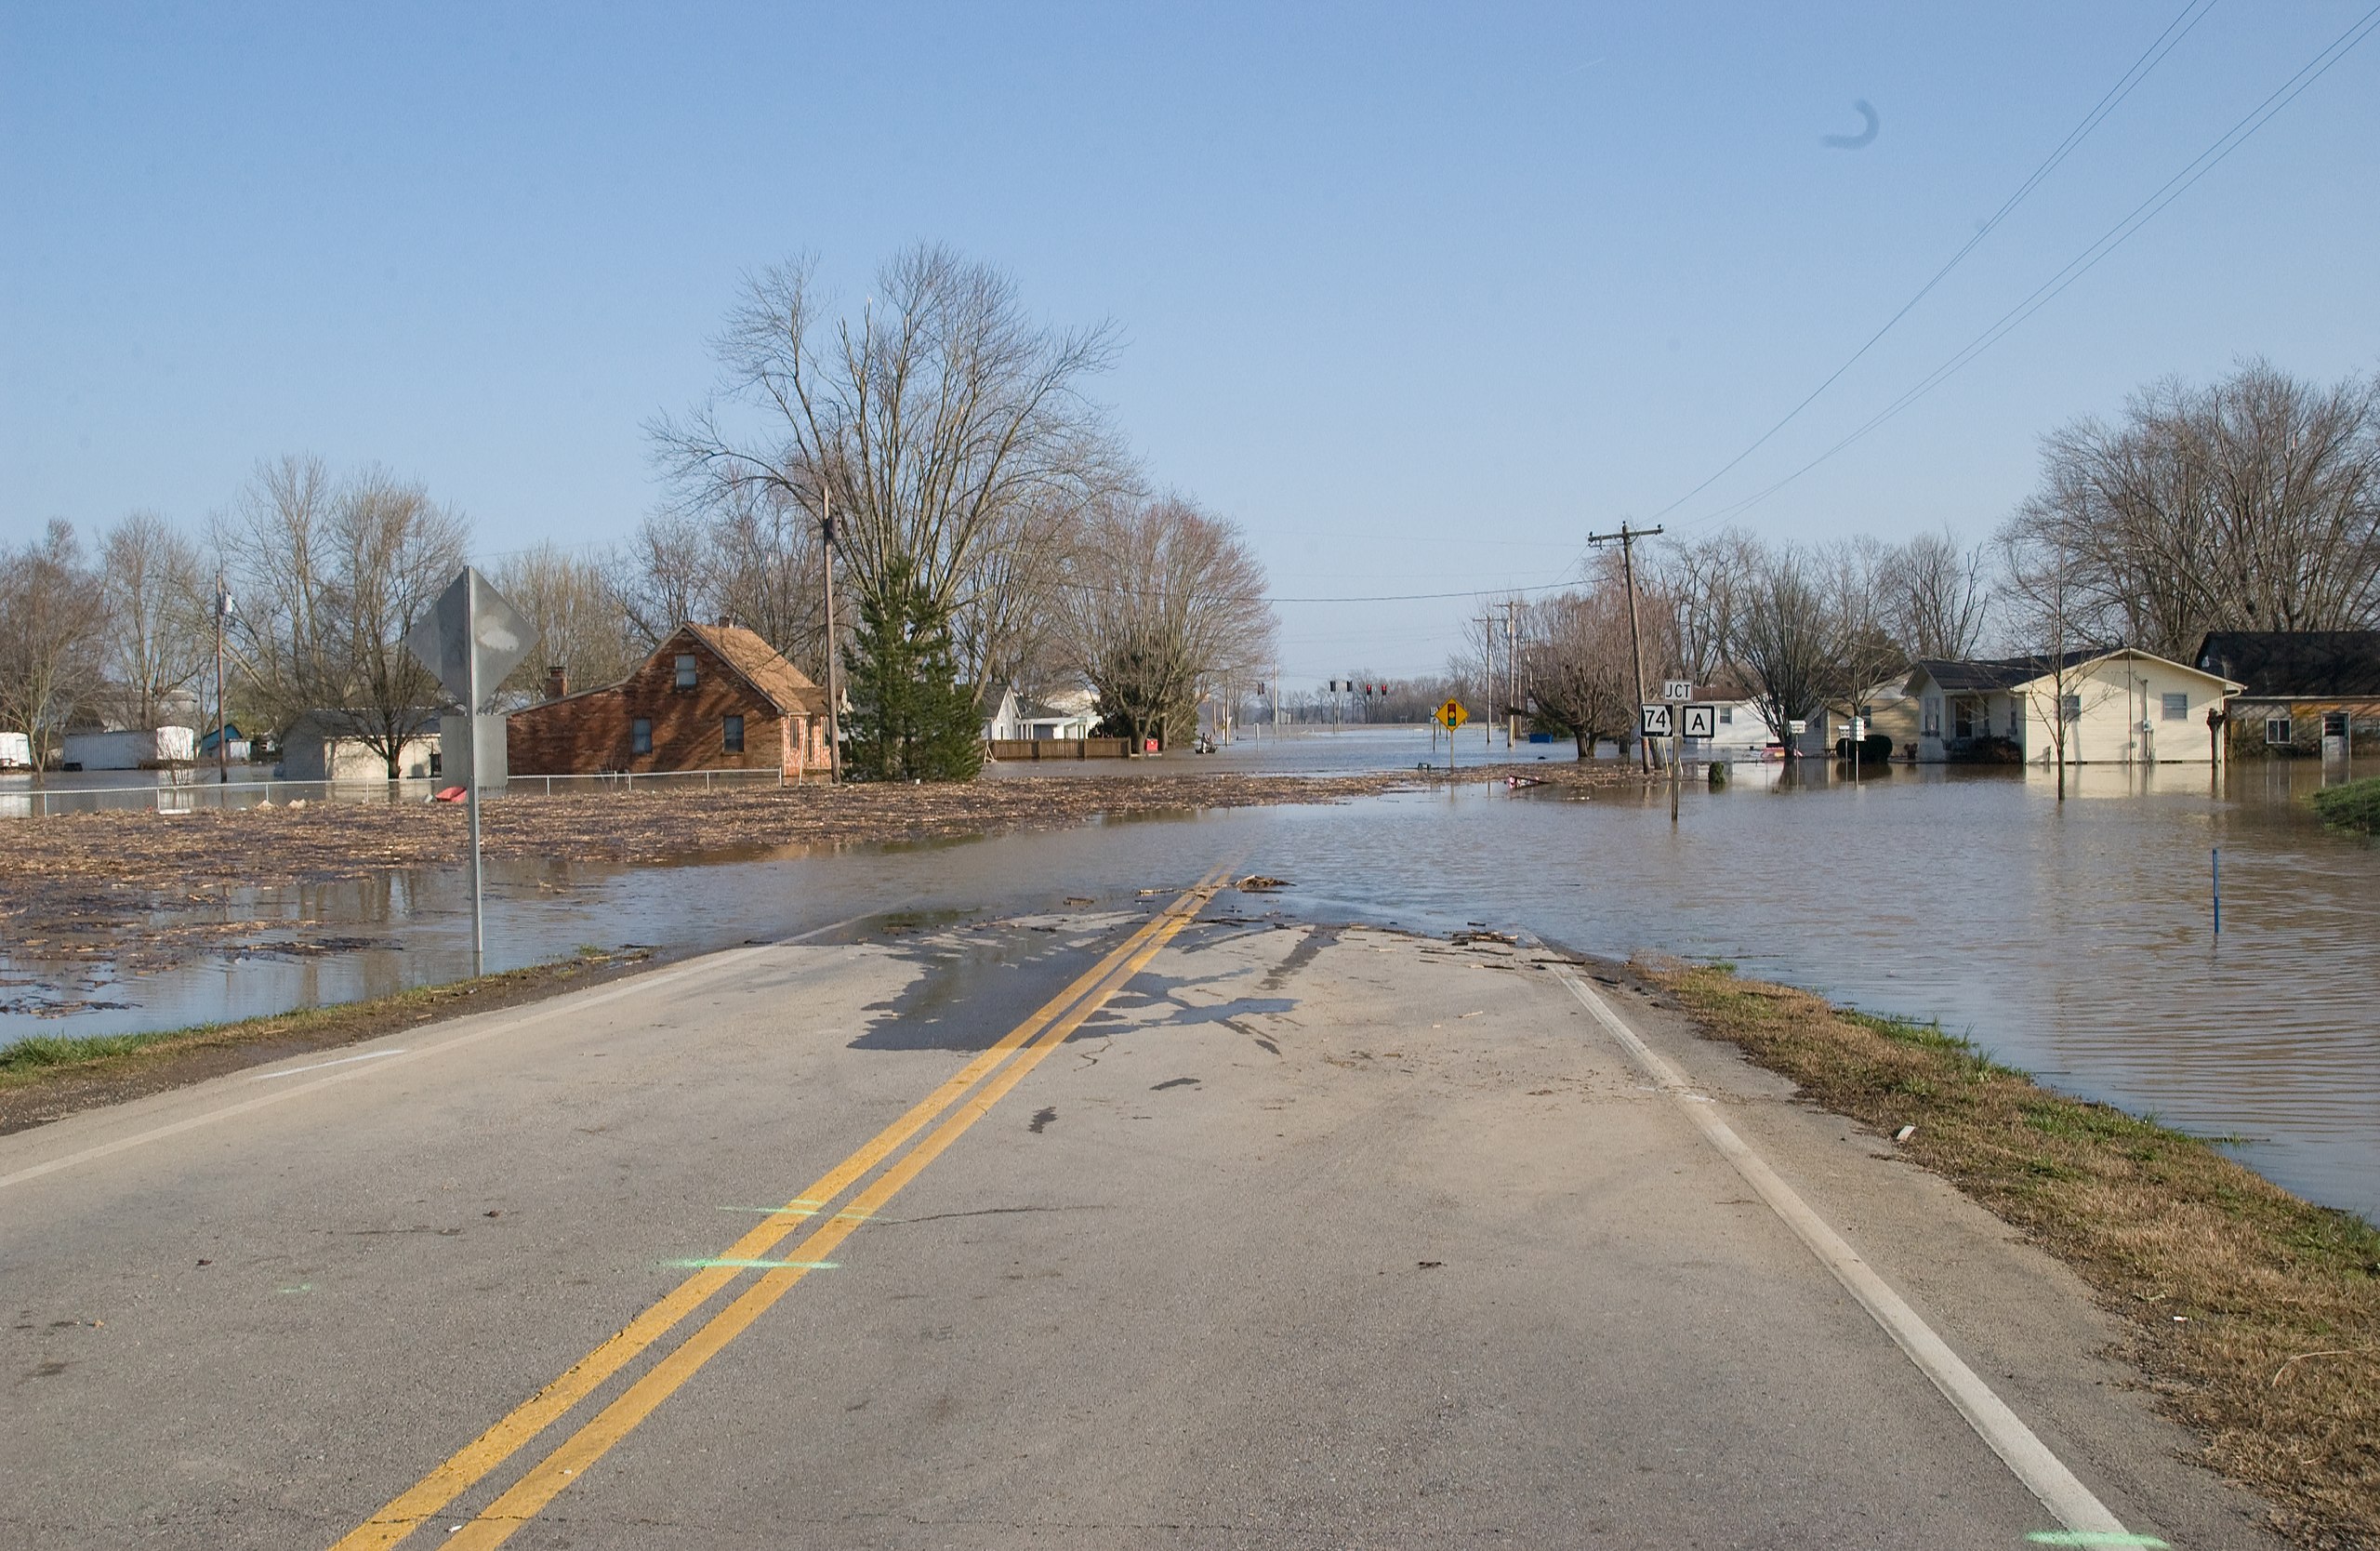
1653	720
1451	715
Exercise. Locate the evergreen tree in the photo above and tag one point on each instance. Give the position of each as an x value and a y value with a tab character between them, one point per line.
910	719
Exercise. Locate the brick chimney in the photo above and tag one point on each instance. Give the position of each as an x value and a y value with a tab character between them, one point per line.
557	682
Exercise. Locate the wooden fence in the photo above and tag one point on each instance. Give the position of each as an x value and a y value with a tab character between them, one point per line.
1059	747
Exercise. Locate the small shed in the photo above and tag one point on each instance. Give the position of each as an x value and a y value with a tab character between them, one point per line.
329	746
132	748
16	751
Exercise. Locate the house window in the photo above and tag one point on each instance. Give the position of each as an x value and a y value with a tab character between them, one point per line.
1963	725
2277	729
731	733
685	670
1727	716
2177	707
2069	708
640	735
1933	717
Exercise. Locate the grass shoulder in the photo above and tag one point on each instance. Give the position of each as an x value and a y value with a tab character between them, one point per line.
48	1077
2352	806
2255	1314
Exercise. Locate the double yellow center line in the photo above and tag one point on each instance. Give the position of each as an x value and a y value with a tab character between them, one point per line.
974	1089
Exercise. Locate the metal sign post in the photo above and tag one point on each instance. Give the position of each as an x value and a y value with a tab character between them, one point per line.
470	638
1677	692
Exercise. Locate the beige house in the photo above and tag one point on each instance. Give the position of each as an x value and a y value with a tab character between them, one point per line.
2119	707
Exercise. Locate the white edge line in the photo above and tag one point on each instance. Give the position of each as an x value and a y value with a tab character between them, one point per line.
631	987
2025	1455
318	1065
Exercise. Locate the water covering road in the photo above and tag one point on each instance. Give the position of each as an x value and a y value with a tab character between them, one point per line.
2073	940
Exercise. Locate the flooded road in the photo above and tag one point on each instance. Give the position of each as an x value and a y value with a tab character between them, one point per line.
2074	940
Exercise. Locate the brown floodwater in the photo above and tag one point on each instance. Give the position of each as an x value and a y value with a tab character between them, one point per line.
2074	939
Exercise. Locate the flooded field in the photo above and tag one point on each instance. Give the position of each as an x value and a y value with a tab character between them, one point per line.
2074	940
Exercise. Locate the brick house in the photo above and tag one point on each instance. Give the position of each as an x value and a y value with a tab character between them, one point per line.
710	697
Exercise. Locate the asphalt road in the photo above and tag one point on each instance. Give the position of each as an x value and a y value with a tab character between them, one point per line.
1094	1231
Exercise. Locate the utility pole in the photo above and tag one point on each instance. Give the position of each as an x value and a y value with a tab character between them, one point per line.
222	739
1626	539
1511	672
827	570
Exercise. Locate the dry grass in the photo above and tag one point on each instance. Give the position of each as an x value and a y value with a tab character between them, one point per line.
2255	1315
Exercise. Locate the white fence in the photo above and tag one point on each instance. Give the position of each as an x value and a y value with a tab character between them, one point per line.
202	794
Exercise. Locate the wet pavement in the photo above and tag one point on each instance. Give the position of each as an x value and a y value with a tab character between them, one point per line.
2074	940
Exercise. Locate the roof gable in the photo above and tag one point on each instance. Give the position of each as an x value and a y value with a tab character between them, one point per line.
759	664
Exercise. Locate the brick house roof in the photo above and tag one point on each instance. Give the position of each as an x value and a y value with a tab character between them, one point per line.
762	666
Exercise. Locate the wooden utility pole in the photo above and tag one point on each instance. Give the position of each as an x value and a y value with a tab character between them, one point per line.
827	569
1626	539
1511	672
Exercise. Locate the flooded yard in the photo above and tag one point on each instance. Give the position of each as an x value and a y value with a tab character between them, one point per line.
2074	940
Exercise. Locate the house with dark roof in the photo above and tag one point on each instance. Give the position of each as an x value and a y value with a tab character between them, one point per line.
709	698
2303	692
2118	706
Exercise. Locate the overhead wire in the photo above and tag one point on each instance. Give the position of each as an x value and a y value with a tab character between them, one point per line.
2082	263
2190	15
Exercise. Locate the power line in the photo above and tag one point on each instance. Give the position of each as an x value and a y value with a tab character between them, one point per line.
2082	263
2164	44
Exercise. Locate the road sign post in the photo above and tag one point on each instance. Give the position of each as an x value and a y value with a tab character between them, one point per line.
471	638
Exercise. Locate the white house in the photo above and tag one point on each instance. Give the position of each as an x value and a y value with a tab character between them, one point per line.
2119	707
1064	713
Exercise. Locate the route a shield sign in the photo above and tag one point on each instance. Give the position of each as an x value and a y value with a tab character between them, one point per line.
1451	715
1702	722
471	638
1653	720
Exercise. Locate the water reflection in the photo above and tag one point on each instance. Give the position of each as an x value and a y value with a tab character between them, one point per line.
2074	939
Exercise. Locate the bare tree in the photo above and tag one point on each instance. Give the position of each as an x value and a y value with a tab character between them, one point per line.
1159	598
1580	671
930	421
158	637
2252	504
52	616
1854	577
1936	596
2041	595
1704	587
1788	641
580	623
664	576
329	576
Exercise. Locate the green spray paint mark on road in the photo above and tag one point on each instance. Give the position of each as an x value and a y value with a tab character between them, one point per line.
754	1265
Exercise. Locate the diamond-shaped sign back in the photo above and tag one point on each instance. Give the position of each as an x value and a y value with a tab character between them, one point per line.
471	620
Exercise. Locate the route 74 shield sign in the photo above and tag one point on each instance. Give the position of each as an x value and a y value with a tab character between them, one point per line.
1653	720
1702	722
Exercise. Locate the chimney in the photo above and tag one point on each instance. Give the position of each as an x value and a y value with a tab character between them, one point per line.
557	682
727	621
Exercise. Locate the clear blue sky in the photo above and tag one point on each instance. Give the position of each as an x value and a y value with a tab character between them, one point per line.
1417	296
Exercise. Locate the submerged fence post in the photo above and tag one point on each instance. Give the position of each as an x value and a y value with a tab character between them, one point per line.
2219	891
